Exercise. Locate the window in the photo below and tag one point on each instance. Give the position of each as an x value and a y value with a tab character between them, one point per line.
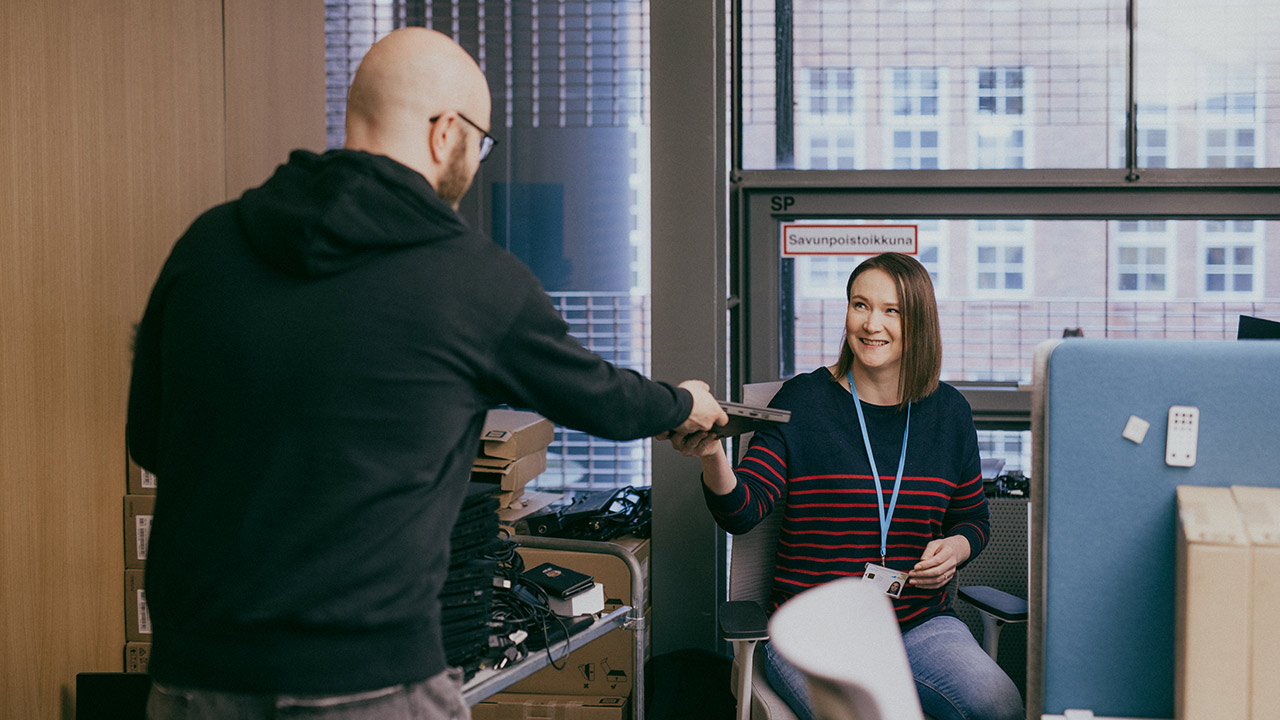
1017	257
916	119
1012	447
1231	130
1048	71
569	79
1154	147
998	147
827	95
998	117
1230	259
1001	258
827	125
915	92
350	29
1144	259
1000	91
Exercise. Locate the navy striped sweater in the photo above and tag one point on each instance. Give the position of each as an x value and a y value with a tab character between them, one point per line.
831	528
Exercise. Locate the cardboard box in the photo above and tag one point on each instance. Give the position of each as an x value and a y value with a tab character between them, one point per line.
528	503
137	655
511	434
1211	627
138	512
520	706
511	475
139	481
137	620
1260	511
605	666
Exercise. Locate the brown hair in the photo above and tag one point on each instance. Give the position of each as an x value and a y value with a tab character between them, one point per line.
921	334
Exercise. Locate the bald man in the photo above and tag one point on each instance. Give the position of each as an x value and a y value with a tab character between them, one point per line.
310	378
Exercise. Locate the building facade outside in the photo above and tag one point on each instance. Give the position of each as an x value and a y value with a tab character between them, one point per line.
1034	85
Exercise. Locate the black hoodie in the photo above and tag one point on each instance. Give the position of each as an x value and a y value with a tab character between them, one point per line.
309	382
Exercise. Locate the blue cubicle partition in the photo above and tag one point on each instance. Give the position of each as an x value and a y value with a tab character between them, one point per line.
1102	595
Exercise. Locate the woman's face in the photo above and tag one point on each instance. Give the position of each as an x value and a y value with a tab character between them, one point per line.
873	322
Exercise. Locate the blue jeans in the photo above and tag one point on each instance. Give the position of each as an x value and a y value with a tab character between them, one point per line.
436	698
956	680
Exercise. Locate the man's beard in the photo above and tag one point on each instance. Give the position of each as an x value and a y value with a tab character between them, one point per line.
455	181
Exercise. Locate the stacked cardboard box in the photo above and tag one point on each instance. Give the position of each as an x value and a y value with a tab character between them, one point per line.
513	451
1260	510
604	667
139	507
1227	645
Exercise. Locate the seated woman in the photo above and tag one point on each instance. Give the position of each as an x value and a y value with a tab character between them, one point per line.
878	466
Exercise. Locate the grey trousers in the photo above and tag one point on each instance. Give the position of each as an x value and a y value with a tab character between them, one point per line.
436	698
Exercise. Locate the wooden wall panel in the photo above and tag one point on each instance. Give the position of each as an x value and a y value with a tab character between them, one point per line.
111	141
275	86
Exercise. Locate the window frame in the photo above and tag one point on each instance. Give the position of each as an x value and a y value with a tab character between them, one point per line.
762	198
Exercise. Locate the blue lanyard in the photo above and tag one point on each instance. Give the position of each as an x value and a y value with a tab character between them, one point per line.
885	517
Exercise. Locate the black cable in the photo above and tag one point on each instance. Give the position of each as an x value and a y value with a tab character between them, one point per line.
627	512
521	606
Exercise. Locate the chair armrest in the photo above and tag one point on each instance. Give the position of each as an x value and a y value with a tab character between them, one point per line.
1003	606
743	620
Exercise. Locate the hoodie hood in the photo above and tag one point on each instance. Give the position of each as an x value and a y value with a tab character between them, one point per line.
322	214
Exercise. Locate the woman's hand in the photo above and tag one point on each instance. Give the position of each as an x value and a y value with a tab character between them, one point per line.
696	444
938	563
717	473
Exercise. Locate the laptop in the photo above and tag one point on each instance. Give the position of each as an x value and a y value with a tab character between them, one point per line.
1255	328
745	418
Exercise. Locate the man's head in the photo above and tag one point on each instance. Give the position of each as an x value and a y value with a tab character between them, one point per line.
420	99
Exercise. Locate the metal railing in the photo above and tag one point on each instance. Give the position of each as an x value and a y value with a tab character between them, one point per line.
996	339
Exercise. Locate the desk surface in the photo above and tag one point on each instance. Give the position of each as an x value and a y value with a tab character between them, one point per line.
488	681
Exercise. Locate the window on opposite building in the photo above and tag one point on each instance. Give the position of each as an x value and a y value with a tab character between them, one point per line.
916	118
1144	259
1230	258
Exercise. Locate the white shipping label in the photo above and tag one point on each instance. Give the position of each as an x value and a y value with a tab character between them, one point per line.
144	616
143	525
148	479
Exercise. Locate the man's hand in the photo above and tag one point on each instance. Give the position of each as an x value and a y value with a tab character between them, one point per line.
938	562
706	411
696	444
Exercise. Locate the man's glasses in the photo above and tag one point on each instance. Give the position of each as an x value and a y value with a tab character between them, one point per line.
487	141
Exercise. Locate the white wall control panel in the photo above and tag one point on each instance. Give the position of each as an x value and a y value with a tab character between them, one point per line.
1182	436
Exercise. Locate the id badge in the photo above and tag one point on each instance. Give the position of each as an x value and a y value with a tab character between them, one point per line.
890	582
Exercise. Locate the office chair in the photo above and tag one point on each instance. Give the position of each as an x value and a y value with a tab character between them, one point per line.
743	621
844	637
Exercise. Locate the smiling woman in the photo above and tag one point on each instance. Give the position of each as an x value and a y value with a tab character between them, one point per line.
843	516
892	342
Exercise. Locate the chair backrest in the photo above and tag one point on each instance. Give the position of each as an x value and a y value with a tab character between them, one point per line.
751	555
844	636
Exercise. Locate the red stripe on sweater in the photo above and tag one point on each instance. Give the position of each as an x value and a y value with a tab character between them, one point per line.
763	464
761	478
770	453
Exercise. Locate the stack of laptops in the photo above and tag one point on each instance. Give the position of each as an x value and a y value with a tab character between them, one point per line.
467	595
